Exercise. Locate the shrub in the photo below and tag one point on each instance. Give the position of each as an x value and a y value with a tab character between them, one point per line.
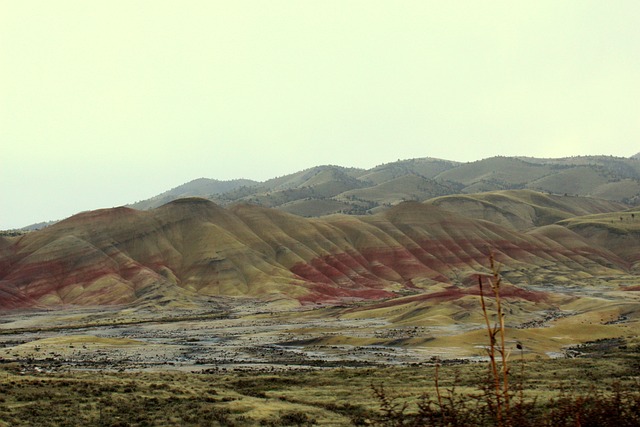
498	402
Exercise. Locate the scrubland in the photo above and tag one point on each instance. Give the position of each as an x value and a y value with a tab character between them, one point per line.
69	377
330	397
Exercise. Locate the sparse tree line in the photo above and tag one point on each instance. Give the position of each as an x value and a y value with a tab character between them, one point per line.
12	233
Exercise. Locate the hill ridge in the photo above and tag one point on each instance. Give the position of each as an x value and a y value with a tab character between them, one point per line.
193	246
328	189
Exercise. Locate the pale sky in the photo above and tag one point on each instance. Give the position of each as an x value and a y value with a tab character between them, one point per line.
104	103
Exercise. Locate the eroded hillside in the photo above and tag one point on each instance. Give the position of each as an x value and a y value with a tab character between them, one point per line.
194	284
195	247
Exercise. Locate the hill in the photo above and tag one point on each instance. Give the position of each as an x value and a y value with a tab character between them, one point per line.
619	232
202	187
523	209
195	247
328	189
196	284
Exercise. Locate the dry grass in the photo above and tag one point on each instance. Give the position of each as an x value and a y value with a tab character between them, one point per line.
335	397
500	400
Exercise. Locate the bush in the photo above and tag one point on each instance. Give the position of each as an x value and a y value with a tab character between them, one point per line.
498	403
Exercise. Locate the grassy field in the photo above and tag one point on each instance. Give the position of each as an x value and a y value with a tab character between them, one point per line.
333	397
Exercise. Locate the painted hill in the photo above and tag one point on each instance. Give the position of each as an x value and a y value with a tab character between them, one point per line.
524	209
192	247
330	189
619	232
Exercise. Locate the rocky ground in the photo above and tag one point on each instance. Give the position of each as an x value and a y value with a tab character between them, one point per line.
232	334
220	340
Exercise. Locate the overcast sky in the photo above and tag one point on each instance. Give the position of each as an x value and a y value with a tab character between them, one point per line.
104	103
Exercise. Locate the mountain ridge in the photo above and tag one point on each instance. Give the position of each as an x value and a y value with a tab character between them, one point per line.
196	187
327	189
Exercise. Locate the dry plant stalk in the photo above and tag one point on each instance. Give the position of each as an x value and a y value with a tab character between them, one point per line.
500	374
437	374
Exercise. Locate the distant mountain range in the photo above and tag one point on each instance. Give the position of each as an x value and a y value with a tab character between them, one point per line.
325	190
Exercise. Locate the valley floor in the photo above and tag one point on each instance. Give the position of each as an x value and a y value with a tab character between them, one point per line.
233	334
243	364
330	397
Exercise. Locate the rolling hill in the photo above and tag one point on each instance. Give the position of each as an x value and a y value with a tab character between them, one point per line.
523	209
323	190
243	281
619	232
202	187
195	247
